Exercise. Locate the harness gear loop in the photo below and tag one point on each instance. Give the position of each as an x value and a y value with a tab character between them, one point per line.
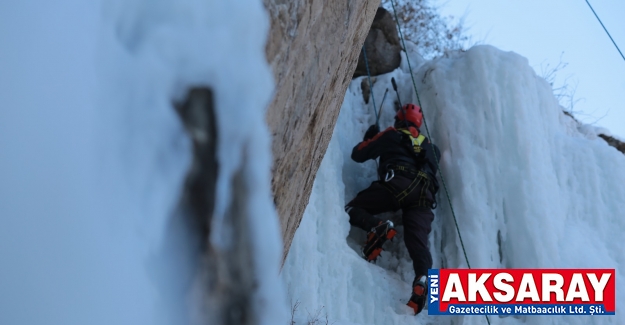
418	178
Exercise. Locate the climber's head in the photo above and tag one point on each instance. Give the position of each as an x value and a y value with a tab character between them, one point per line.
413	115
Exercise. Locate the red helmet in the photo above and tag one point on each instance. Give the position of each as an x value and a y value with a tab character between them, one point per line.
413	114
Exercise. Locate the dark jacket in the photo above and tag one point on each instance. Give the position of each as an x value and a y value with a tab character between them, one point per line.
395	148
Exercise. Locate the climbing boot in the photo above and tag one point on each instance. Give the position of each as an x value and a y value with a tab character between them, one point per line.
376	238
419	294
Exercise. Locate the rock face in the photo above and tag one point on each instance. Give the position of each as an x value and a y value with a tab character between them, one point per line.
620	146
382	46
312	48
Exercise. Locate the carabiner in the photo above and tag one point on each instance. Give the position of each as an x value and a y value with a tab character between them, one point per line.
389	175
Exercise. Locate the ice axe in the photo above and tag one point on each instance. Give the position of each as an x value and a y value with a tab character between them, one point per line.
399	101
380	109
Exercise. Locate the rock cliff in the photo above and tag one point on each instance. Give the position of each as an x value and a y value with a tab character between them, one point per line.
619	145
313	49
382	46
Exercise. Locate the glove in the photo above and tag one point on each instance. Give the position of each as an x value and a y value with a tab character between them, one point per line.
371	132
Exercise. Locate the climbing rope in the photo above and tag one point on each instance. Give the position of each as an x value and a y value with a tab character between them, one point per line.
364	52
606	30
414	84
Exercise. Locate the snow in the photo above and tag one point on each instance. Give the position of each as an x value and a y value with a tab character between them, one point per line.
94	156
529	186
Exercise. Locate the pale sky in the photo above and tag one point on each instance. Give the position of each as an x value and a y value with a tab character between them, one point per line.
541	30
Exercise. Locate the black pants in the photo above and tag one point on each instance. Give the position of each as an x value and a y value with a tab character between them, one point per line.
417	216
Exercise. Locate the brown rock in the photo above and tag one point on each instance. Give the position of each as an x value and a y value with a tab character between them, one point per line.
312	48
382	46
620	146
366	88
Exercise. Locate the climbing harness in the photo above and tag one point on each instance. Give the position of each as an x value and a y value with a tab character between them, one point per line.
419	178
414	84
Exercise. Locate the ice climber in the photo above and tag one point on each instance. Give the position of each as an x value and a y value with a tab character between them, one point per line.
407	173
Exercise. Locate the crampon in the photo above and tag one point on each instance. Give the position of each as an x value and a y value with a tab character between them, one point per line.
419	293
376	238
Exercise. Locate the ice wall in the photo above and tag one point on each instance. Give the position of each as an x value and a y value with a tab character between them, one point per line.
530	188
